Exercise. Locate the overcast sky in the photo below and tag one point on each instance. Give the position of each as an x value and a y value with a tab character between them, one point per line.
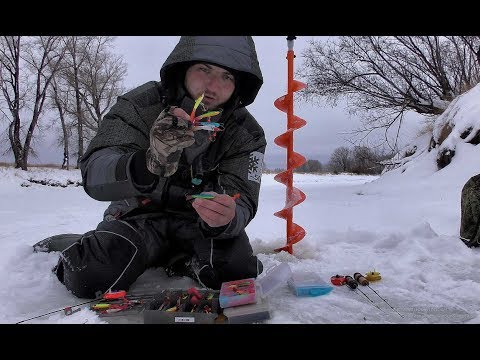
326	127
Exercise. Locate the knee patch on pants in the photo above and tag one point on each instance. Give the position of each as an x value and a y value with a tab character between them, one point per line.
229	259
108	258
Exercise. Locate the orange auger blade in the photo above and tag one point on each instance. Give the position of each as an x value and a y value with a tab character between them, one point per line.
297	86
295	160
284	139
297	122
294	196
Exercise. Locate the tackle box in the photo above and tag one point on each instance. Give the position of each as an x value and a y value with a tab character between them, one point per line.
176	306
250	313
259	310
237	302
237	292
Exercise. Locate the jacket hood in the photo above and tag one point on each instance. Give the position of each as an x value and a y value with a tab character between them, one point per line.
234	52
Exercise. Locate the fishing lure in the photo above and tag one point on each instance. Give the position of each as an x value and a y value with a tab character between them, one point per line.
194	119
203	196
210	126
208	196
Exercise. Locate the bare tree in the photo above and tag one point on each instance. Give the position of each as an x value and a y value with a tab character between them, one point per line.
101	80
310	166
75	47
11	91
472	43
340	160
94	76
60	97
27	67
364	161
384	77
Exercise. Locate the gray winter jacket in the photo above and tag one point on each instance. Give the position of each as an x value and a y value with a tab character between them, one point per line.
113	167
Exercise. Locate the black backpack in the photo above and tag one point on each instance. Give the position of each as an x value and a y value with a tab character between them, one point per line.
470	216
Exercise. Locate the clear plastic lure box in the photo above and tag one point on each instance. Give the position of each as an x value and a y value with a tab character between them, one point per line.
247	314
273	279
257	309
237	292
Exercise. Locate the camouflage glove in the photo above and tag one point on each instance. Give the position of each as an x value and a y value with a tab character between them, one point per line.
169	135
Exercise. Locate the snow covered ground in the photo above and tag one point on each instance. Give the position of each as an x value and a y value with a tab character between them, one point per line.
403	224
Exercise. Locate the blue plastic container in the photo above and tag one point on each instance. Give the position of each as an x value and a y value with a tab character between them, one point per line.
308	284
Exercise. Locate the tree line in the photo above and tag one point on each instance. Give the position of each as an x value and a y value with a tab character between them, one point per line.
52	82
356	160
70	82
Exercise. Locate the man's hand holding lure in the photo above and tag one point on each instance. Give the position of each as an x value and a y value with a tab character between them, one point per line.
216	210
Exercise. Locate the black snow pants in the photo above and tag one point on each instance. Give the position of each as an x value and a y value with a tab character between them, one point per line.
117	252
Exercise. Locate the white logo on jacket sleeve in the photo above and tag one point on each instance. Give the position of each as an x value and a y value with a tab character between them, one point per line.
255	166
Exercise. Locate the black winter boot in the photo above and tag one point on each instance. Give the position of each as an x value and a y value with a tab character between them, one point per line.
56	243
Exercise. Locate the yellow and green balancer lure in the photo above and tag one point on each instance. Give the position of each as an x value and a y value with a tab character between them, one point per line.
194	119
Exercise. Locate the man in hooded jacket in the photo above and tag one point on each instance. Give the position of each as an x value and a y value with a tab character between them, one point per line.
148	159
